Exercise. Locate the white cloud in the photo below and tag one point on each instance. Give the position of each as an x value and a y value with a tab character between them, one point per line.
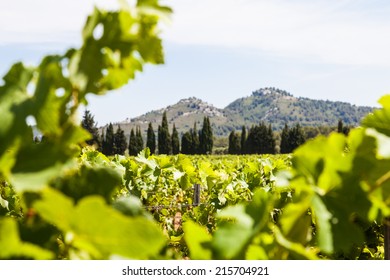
42	21
325	31
322	31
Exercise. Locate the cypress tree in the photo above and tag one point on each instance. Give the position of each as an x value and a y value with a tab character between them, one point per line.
133	151
206	137
164	138
175	141
285	140
186	143
151	139
108	148
88	123
195	140
159	140
296	137
234	143
243	140
102	140
120	143
346	130
342	129
138	139
250	144
255	140
340	126
260	140
270	143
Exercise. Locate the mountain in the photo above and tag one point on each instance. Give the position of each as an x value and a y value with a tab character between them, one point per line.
270	105
278	107
183	114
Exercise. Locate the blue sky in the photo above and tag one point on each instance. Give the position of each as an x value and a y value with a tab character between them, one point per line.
221	50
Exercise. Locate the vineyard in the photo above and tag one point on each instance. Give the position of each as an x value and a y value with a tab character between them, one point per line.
247	207
61	199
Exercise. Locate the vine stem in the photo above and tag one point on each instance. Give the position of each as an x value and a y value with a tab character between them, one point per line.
387	238
382	180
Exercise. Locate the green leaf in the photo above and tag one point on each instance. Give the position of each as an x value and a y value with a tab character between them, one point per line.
114	234
129	206
323	225
260	208
233	233
383	143
256	252
230	239
241	223
198	241
34	181
46	106
94	227
56	209
13	127
143	157
321	161
380	118
51	158
295	221
297	249
12	247
86	181
108	62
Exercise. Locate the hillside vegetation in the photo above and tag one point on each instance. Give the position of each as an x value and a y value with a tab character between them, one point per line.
270	105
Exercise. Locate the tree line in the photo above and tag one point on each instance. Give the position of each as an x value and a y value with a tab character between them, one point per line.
260	139
110	143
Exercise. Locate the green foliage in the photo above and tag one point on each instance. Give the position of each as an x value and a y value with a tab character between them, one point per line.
206	137
13	247
195	149
109	141
275	106
164	137
380	118
340	126
296	137
151	139
243	140
120	143
260	140
89	179
291	138
60	202
234	143
186	143
55	206
139	141
175	141
133	150
285	141
191	143
136	142
93	229
345	178
88	123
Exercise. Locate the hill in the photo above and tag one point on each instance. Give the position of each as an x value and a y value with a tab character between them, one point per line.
278	107
270	105
183	114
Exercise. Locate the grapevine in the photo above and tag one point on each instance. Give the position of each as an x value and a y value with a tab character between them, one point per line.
60	199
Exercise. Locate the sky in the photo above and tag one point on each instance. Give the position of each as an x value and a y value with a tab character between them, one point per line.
221	50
